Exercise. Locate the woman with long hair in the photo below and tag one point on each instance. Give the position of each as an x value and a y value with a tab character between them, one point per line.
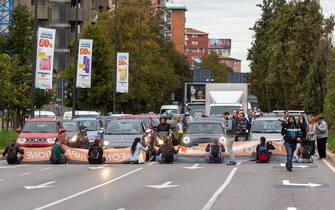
135	150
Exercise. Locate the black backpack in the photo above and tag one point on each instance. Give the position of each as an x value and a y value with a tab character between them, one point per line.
167	153
242	126
12	154
95	152
215	150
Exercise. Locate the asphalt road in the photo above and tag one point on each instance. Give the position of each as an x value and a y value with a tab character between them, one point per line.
245	186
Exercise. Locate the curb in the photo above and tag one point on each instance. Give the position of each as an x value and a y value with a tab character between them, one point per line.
330	156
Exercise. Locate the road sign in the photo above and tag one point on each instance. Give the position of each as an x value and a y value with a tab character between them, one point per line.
162	186
195	166
41	186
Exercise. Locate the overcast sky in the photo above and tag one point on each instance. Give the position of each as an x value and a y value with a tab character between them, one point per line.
231	19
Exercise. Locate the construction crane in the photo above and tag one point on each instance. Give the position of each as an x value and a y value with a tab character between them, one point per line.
6	12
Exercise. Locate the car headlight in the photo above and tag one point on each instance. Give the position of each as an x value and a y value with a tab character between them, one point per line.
73	139
51	140
106	143
186	140
21	140
223	139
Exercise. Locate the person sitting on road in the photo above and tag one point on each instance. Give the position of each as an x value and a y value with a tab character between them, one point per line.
95	153
215	150
166	152
135	150
163	126
12	152
57	154
263	154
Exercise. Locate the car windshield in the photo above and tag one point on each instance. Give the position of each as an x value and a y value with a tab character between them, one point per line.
194	108
87	116
115	127
91	125
266	126
169	111
208	128
70	126
219	110
40	127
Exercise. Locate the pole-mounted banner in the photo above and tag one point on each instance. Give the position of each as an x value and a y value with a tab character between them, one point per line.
84	67
122	72
45	58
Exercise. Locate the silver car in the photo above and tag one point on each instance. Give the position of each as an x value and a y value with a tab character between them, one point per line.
269	127
121	133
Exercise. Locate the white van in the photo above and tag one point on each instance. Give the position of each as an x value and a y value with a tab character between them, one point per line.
81	114
44	114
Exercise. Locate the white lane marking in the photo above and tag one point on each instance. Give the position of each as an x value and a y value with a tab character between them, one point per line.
329	165
45	169
291	208
24	174
87	190
162	186
10	167
220	190
239	163
1	180
295	166
150	164
121	209
98	167
312	185
195	166
45	185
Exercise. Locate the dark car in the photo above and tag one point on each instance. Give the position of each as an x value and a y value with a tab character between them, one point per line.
203	131
77	134
121	133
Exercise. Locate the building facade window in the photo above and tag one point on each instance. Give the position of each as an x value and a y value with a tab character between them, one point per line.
60	13
194	42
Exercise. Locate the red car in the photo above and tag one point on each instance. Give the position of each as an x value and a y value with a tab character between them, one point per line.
41	132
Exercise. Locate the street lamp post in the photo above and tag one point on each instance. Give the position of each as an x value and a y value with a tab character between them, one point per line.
74	90
33	75
140	60
115	49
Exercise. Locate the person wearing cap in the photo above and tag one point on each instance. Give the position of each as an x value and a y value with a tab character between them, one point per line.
95	153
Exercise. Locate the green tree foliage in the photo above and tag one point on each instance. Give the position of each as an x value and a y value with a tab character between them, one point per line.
290	55
219	71
156	69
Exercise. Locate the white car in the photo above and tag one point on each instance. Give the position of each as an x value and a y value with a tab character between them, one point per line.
81	114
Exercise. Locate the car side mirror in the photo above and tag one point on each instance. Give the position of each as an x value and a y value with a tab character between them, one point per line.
18	130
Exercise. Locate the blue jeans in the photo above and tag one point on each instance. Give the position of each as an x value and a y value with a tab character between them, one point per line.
290	148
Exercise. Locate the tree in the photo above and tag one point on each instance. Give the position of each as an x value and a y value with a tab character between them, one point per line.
219	71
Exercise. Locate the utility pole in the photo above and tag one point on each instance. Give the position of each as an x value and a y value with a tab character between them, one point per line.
115	48
33	75
74	90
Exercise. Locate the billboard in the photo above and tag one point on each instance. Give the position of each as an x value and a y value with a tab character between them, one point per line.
45	58
122	72
219	43
84	66
194	92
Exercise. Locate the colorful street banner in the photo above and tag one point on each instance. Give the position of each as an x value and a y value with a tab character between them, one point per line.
84	67
122	72
45	58
219	43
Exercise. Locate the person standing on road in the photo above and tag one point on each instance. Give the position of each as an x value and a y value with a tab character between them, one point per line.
242	128
311	134
95	153
12	152
292	135
135	151
57	154
230	130
177	129
322	136
303	127
163	125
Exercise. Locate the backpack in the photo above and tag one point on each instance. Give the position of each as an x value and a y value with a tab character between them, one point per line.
263	154
242	126
12	155
215	150
167	153
95	152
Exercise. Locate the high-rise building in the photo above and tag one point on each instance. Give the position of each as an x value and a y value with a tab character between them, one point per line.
196	45
61	15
